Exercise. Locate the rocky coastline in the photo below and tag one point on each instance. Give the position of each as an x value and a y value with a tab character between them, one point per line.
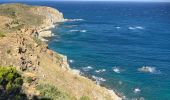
26	49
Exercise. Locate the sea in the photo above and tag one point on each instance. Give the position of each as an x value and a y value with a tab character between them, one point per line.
124	46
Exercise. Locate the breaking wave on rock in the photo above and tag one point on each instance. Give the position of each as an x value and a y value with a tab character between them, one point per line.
71	61
148	69
98	80
136	90
87	68
116	69
100	70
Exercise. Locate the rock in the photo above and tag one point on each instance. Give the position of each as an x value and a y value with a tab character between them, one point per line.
21	50
45	34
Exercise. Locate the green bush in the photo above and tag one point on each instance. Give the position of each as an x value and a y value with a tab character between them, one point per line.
84	98
8	51
29	79
10	83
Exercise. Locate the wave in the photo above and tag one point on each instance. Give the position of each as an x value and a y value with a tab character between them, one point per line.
148	69
76	71
71	61
98	80
83	31
100	70
135	27
74	30
72	20
117	27
116	69
136	90
87	68
131	28
139	27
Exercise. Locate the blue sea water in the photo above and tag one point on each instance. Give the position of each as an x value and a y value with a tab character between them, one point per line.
119	35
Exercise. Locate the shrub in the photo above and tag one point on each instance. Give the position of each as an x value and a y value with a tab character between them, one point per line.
29	79
10	83
8	51
2	34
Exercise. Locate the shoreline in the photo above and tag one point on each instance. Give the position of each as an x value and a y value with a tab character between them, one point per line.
28	51
76	71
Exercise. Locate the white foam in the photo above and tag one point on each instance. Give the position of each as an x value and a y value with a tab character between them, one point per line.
131	28
76	71
100	70
74	30
98	79
136	90
148	69
117	27
75	20
87	68
116	69
139	27
136	27
71	61
83	31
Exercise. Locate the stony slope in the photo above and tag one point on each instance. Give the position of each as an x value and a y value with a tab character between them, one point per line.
21	29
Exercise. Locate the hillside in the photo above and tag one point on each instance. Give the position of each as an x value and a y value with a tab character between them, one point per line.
46	74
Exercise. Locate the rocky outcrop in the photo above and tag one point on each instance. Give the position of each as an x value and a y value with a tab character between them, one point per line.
51	15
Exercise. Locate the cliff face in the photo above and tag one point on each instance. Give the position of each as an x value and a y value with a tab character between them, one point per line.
18	16
51	15
20	46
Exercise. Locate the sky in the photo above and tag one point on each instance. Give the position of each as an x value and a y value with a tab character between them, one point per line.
98	0
120	0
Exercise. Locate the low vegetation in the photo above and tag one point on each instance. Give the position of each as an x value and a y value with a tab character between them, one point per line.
18	16
2	34
84	98
10	84
38	41
53	93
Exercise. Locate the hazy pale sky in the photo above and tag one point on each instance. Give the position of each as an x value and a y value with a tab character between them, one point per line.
119	0
97	0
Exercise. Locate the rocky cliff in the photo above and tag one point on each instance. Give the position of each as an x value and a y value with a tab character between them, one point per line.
21	30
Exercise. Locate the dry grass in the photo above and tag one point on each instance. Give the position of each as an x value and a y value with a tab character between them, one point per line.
21	16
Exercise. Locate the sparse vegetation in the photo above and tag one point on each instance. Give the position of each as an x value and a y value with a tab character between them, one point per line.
38	41
8	51
29	79
84	98
21	17
2	34
10	84
49	91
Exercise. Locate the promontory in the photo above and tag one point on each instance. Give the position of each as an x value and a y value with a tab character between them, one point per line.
29	69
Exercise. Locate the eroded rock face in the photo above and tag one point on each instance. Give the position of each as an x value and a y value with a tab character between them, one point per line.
51	15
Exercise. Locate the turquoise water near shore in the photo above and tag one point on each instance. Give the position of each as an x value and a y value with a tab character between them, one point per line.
110	41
